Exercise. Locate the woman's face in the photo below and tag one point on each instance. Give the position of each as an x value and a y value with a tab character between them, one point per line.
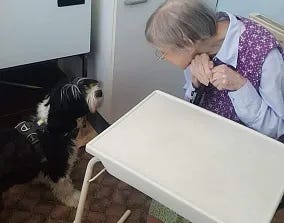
179	57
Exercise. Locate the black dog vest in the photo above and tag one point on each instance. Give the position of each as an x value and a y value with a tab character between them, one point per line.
29	130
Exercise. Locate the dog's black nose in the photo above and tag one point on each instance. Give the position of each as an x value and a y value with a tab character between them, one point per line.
98	93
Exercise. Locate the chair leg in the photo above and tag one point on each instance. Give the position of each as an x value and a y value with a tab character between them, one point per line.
84	191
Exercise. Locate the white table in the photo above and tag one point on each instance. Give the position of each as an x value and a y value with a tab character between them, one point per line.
205	167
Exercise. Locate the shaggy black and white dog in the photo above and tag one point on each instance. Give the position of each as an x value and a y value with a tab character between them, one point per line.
43	148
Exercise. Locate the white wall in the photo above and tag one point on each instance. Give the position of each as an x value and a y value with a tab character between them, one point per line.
137	72
273	9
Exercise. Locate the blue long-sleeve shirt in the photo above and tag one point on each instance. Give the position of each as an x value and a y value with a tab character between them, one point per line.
263	111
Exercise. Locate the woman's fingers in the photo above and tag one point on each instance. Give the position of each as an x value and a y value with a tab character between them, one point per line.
201	68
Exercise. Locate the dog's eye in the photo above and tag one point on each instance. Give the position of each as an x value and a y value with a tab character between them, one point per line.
99	93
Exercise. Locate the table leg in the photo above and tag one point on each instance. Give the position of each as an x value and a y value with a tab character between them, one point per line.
84	190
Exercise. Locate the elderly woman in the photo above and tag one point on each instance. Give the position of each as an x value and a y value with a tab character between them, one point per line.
237	63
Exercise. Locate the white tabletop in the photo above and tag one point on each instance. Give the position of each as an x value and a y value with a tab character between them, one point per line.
203	166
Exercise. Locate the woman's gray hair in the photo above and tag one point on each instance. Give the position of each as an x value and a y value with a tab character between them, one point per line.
180	23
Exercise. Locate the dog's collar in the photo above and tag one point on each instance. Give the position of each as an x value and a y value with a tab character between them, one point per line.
29	130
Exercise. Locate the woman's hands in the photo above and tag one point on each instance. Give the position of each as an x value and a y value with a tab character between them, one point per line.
201	70
222	76
225	78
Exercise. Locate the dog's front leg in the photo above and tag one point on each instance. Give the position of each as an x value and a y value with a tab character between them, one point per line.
64	191
62	188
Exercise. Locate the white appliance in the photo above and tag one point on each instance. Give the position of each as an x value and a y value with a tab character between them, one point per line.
124	62
39	30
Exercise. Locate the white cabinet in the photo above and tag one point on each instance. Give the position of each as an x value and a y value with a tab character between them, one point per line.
123	61
38	30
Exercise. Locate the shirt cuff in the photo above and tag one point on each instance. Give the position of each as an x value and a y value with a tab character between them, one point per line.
246	102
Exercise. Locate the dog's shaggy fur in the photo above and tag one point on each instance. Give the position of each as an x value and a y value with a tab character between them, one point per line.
51	159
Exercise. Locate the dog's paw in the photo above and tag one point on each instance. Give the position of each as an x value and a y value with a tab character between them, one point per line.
72	199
